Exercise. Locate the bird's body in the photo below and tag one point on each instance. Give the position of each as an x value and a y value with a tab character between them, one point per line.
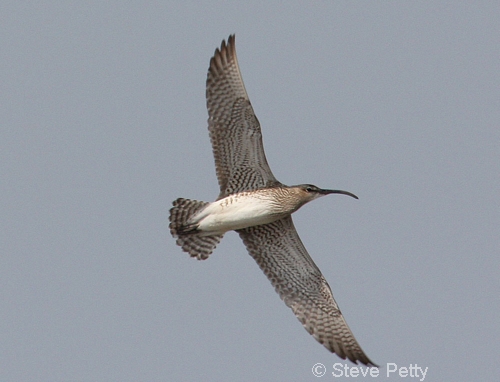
255	204
250	208
241	210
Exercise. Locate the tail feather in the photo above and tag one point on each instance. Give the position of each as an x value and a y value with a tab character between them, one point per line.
188	237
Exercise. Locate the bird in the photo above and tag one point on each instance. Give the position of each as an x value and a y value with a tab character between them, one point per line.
258	207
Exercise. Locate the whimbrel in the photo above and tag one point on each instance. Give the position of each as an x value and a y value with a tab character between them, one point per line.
257	206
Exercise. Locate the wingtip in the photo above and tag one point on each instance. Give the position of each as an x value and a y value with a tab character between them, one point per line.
364	360
356	358
360	359
367	362
224	46
228	48
223	55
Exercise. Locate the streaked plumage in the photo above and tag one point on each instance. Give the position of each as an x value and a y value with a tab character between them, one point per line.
259	207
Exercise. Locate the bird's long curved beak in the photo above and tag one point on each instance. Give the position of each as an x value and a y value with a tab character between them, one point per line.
326	192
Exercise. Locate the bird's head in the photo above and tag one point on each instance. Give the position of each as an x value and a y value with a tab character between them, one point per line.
310	192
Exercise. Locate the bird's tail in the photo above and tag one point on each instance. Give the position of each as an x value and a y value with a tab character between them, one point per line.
188	236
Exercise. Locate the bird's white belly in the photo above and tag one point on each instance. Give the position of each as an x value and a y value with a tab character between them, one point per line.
236	212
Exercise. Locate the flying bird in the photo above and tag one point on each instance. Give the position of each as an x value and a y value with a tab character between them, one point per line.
255	204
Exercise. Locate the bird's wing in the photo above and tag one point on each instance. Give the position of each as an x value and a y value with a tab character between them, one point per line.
235	133
280	253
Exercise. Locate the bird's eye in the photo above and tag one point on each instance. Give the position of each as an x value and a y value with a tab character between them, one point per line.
309	189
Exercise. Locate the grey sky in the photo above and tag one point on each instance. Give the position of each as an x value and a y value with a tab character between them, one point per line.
103	124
